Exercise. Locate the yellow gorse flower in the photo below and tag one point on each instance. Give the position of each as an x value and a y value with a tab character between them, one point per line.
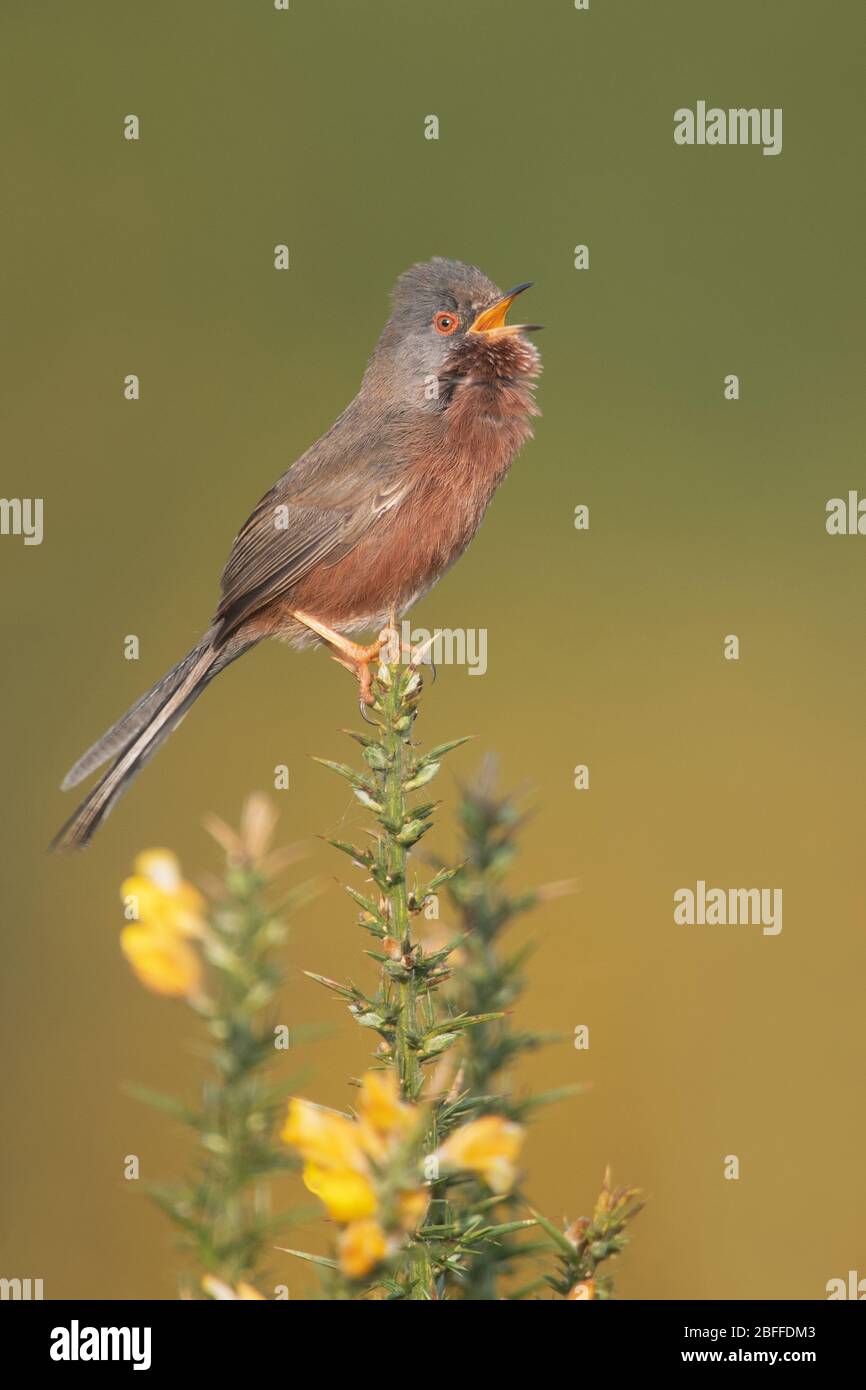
347	1195
412	1204
489	1147
168	912
349	1164
161	895
163	962
361	1247
345	1164
324	1139
381	1106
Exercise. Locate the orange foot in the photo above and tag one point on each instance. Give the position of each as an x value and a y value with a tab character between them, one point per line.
359	660
355	658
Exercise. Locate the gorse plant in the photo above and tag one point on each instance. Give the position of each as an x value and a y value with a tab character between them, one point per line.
421	1175
416	1028
218	952
451	1143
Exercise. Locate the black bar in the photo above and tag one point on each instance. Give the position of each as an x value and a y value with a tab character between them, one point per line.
206	1339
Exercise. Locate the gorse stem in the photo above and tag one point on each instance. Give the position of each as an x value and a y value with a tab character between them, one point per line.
396	731
491	980
403	1012
239	1113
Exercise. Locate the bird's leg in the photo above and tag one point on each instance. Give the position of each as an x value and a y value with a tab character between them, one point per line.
355	658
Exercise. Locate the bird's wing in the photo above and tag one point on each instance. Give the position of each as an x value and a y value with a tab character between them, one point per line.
312	518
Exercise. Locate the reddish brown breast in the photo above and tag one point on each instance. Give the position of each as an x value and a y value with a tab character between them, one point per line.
459	457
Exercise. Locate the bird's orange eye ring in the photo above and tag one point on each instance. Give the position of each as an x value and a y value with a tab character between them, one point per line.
445	322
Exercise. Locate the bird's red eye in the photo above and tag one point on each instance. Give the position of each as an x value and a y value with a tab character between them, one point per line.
445	323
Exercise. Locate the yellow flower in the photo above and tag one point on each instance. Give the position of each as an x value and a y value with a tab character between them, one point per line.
412	1207
382	1107
160	895
583	1291
345	1160
324	1139
361	1247
488	1147
348	1195
163	962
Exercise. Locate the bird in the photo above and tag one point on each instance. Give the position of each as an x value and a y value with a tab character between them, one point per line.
367	520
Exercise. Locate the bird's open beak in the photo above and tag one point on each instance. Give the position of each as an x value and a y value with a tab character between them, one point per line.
492	319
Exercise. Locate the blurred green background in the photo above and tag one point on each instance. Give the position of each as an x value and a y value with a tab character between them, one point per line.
605	647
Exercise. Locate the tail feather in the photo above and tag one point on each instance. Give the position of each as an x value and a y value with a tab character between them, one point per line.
135	738
135	719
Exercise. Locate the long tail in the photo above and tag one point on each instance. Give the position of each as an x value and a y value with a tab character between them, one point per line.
136	737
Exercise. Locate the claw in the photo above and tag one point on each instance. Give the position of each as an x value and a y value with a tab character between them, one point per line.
363	707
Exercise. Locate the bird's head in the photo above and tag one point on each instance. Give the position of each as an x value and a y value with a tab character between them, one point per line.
449	322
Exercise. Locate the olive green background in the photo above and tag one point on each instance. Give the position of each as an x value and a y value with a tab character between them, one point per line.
605	647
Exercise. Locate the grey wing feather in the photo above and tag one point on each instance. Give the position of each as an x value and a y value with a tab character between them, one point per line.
289	533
